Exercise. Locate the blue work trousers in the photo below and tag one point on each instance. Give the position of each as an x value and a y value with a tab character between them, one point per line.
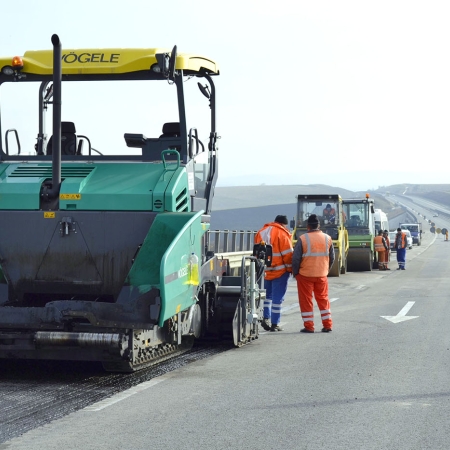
275	291
401	258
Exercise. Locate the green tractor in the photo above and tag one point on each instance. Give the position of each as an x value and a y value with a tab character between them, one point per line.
328	209
359	217
104	249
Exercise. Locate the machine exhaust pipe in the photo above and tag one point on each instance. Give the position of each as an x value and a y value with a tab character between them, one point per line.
56	151
66	339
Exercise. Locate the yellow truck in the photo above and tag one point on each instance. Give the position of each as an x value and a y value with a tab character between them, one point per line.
329	211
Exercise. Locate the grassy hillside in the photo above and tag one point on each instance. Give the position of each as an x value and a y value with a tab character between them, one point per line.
250	207
438	197
250	196
250	218
416	189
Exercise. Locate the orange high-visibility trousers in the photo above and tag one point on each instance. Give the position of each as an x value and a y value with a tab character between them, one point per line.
319	286
382	259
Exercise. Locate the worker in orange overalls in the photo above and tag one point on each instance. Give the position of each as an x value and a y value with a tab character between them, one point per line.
387	257
329	214
381	248
311	262
277	275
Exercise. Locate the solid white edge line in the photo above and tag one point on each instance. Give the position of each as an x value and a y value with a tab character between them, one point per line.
125	394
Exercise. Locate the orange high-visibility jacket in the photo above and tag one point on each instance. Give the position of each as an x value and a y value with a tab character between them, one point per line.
279	238
401	243
380	244
316	250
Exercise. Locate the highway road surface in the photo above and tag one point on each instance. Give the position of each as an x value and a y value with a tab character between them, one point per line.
380	380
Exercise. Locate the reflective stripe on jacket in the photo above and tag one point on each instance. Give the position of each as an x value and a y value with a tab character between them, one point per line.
279	238
315	258
380	244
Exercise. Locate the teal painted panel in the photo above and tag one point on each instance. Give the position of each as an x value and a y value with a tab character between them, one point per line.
161	187
176	197
19	192
146	270
98	187
177	294
112	187
162	261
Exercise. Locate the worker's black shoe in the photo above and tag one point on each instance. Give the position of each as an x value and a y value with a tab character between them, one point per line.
403	268
275	327
326	330
305	330
265	324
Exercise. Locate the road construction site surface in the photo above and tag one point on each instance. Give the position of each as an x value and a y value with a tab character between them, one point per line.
380	380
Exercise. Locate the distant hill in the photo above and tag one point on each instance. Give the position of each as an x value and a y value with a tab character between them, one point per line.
439	197
250	196
250	218
414	189
250	207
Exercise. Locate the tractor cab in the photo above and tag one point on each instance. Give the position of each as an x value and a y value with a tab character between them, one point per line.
360	224
102	108
329	212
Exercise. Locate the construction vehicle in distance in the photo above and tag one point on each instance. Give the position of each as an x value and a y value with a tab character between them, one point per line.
329	211
415	230
360	224
104	251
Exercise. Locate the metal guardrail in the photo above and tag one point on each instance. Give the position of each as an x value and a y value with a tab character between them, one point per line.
235	260
232	245
225	241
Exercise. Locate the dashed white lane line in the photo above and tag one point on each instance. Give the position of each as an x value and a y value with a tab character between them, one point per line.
125	394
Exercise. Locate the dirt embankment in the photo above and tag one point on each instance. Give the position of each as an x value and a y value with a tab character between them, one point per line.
439	197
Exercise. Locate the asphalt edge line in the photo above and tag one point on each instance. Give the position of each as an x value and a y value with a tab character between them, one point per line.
125	394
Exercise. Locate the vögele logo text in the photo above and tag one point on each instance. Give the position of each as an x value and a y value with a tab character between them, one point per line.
70	58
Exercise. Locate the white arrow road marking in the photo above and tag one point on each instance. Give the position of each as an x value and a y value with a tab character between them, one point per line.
401	316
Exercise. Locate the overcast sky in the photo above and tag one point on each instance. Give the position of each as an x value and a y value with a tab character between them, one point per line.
353	94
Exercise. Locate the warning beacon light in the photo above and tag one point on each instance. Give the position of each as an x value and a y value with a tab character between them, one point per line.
17	63
16	66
